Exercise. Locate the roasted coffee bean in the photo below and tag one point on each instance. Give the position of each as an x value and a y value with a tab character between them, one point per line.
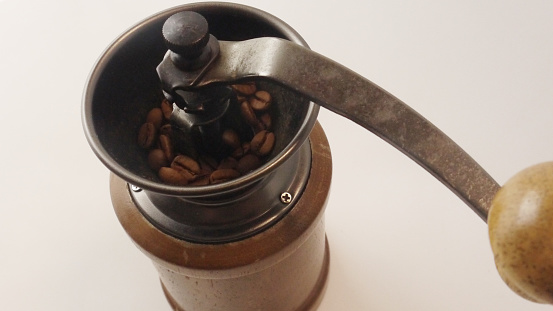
166	129
248	163
157	159
238	153
231	138
248	114
186	166
155	116
262	143
202	180
241	98
266	120
223	175
229	162
241	151
166	109
147	135
247	88
186	175
247	146
260	101
207	164
166	145
172	176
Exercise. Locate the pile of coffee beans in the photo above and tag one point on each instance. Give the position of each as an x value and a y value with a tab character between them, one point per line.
177	163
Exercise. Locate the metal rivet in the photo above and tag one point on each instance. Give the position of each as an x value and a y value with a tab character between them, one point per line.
135	188
286	197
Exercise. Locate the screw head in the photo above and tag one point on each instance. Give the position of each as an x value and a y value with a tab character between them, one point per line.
286	197
135	188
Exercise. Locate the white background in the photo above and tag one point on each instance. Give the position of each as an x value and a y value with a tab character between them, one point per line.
480	70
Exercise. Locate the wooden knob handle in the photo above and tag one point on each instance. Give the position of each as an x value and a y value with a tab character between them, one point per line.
520	223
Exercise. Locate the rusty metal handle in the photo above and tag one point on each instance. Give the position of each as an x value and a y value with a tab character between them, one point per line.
346	93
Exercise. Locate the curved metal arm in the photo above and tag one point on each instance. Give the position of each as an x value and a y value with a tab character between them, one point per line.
346	93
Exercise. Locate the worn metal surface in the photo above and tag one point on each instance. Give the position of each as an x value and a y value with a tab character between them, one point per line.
343	91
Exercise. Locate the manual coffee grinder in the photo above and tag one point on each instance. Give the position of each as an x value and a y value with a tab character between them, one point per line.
257	241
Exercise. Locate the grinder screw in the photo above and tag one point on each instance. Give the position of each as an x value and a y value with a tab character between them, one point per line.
286	197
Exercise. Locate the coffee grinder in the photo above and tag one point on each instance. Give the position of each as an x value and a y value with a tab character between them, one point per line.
256	242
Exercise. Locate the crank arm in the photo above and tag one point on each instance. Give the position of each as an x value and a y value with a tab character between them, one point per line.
348	94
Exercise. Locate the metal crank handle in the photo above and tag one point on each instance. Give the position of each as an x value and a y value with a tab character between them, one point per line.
346	93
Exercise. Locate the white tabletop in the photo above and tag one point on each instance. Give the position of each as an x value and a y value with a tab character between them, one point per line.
480	70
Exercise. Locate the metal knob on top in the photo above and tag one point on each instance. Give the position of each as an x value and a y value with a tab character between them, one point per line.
186	33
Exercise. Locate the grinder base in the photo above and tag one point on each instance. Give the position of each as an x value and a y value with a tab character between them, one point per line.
311	303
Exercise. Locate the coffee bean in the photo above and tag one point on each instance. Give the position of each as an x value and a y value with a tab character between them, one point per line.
231	138
247	88
207	165
172	176
238	153
247	146
223	175
229	162
147	135
157	159
155	116
166	145
260	101
248	114
268	144
248	163
166	109
202	180
166	129
262	143
266	120
187	166
241	98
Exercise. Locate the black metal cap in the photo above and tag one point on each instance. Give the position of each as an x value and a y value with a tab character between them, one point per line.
186	33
